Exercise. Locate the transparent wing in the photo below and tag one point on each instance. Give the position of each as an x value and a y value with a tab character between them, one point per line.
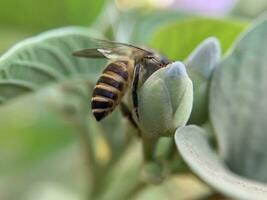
89	53
112	50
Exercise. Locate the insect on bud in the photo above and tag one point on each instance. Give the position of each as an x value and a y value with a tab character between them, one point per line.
165	101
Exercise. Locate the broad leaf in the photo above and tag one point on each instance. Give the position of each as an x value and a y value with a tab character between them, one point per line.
35	128
238	104
193	145
178	39
30	133
45	59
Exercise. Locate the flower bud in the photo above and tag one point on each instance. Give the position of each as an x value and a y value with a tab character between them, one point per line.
200	65
165	101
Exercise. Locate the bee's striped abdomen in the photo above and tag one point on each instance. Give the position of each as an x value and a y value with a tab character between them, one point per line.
110	88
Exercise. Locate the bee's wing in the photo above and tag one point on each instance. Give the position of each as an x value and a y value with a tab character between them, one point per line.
90	53
112	50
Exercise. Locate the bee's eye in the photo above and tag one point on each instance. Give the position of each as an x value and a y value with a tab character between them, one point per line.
164	61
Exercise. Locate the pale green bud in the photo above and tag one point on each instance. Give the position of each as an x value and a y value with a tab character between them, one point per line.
165	101
200	65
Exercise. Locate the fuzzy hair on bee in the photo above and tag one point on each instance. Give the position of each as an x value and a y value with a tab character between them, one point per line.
111	87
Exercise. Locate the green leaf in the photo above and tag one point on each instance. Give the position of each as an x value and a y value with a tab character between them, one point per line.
238	104
31	66
30	133
49	14
193	145
37	150
178	39
45	59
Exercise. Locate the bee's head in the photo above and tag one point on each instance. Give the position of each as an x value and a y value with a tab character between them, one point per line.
153	62
156	60
164	61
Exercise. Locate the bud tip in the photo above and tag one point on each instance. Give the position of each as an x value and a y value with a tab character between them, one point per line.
176	69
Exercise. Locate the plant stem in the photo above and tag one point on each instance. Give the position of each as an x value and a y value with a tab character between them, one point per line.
93	170
87	151
149	146
172	150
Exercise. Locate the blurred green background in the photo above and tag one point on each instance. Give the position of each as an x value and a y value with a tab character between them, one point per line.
40	152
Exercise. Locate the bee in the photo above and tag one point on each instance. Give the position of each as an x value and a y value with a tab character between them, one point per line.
127	65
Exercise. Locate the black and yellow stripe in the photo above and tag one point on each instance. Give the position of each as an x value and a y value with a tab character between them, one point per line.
110	88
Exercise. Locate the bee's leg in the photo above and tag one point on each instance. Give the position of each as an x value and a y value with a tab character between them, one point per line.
127	113
137	73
